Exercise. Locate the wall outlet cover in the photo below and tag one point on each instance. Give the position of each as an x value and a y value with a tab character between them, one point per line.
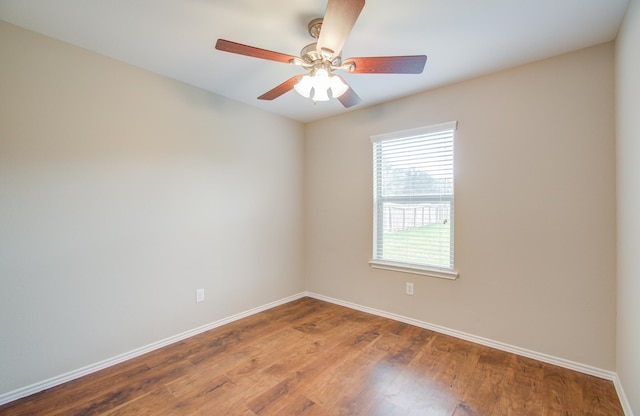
409	289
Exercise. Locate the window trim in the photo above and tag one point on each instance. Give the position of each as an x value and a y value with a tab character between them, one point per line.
414	269
406	267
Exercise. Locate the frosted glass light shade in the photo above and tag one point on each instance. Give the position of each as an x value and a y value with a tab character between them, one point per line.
304	86
338	87
320	94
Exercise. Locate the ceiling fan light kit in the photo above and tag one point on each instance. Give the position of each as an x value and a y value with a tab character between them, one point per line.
322	58
320	81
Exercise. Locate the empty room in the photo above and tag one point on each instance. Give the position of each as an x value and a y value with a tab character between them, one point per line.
319	207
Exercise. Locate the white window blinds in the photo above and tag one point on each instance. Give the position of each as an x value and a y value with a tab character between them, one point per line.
413	198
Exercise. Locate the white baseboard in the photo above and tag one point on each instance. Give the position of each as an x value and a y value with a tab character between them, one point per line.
561	362
626	406
92	368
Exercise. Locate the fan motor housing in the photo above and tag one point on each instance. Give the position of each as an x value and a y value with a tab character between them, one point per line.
310	55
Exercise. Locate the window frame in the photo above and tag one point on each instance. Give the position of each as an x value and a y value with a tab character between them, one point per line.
378	201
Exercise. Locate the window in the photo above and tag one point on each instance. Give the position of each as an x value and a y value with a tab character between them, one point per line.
413	200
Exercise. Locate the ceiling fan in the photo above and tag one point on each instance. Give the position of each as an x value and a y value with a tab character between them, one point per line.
323	58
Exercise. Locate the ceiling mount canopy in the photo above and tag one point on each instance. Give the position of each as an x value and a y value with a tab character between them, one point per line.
322	58
314	27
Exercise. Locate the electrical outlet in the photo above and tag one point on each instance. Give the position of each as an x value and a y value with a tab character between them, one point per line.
409	288
200	295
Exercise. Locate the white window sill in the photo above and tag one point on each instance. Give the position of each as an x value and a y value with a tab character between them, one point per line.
414	268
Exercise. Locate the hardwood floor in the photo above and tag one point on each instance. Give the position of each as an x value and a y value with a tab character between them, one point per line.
310	357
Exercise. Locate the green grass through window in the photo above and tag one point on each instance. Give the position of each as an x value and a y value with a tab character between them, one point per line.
427	245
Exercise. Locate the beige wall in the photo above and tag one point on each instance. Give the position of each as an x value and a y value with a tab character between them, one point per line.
628	152
535	208
121	193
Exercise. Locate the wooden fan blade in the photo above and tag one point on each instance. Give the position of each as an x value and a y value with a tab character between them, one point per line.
240	49
280	89
349	98
337	23
388	65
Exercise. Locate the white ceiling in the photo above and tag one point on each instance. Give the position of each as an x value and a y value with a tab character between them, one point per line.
462	39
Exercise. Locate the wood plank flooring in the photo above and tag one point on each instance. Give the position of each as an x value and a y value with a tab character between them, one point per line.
310	357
